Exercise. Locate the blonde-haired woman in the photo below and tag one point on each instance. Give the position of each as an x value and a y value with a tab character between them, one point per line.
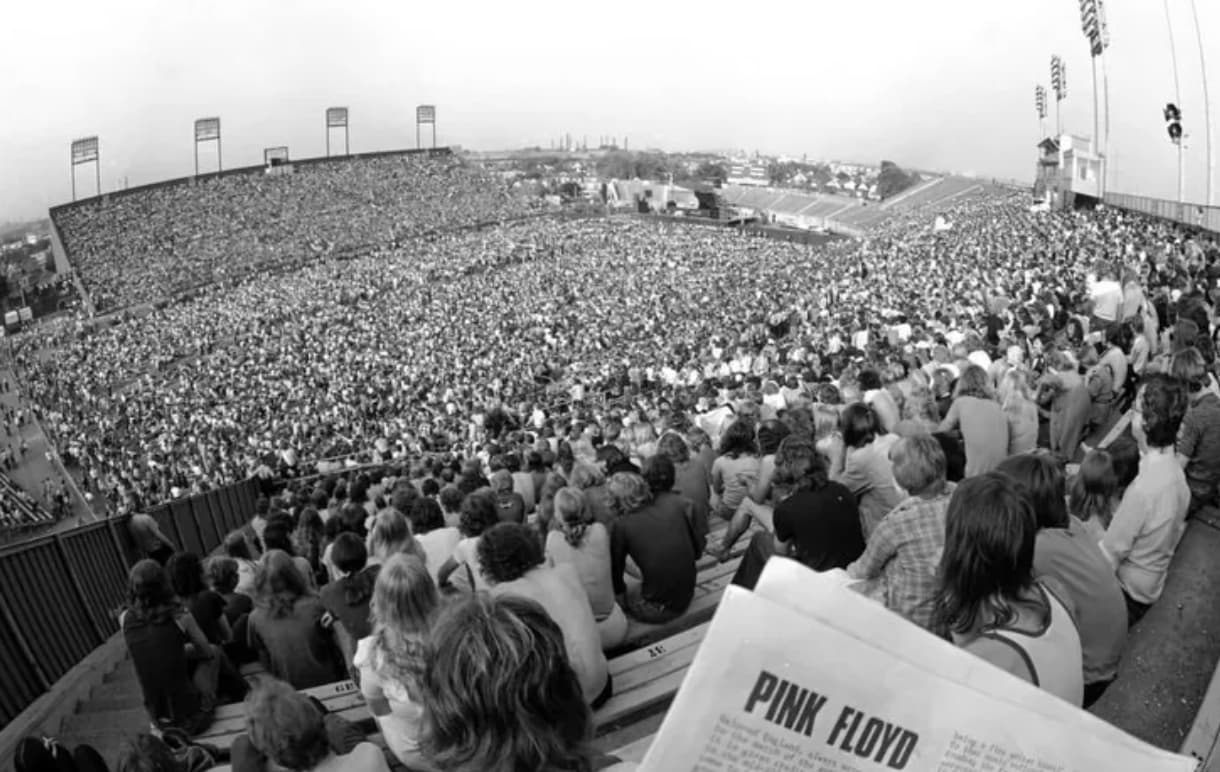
582	542
827	437
1022	413
983	425
391	660
390	535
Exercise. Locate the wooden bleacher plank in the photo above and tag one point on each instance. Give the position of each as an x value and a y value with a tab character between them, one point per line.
635	751
337	694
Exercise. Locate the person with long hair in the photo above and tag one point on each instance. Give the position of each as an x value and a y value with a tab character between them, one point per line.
1020	410
980	419
307	542
987	598
582	542
177	667
818	523
436	539
237	545
1095	493
285	731
390	535
1151	518
391	659
1068	554
757	504
287	628
501	695
1198	444
663	544
347	598
1063	389
589	479
514	564
899	563
735	470
867	471
691	478
186	577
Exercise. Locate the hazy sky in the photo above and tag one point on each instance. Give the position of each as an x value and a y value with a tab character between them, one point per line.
940	84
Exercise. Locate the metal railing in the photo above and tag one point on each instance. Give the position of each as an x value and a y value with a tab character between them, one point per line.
1193	215
63	591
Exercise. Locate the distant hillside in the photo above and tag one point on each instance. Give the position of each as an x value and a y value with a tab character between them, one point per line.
13	230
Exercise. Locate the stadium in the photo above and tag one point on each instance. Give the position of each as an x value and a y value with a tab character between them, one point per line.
575	459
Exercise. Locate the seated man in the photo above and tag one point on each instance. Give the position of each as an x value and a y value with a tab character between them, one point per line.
899	564
1151	518
659	537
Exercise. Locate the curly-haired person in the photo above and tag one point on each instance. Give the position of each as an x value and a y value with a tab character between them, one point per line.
514	564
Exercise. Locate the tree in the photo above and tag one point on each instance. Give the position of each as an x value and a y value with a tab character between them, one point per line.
709	170
893	180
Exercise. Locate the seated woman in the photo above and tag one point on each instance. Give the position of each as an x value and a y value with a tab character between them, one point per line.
347	597
584	543
736	469
980	419
867	471
818	523
177	667
185	571
238	546
286	626
757	504
390	535
988	599
500	694
514	565
391	659
662	543
899	564
478	514
285	731
1095	493
1066	552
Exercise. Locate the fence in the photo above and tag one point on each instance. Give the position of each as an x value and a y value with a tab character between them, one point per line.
63	591
1193	215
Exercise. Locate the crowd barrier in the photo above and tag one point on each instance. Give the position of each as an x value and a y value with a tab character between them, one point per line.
63	591
1192	215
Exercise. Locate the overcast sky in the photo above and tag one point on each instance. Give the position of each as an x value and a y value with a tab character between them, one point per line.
937	84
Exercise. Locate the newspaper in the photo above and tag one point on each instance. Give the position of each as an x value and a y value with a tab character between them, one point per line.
804	674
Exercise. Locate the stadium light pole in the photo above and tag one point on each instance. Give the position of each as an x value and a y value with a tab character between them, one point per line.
1207	105
1177	97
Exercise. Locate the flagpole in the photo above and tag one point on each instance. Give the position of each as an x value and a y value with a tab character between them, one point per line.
1207	107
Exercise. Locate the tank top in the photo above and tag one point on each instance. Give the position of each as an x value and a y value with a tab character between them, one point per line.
1052	655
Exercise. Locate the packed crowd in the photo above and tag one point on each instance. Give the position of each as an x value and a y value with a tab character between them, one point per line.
556	414
152	244
207	391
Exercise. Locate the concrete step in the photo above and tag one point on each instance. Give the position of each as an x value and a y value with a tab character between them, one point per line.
108	700
105	721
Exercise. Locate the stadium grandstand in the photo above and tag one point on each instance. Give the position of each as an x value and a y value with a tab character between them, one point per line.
391	466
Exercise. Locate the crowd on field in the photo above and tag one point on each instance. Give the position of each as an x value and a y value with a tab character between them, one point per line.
551	419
